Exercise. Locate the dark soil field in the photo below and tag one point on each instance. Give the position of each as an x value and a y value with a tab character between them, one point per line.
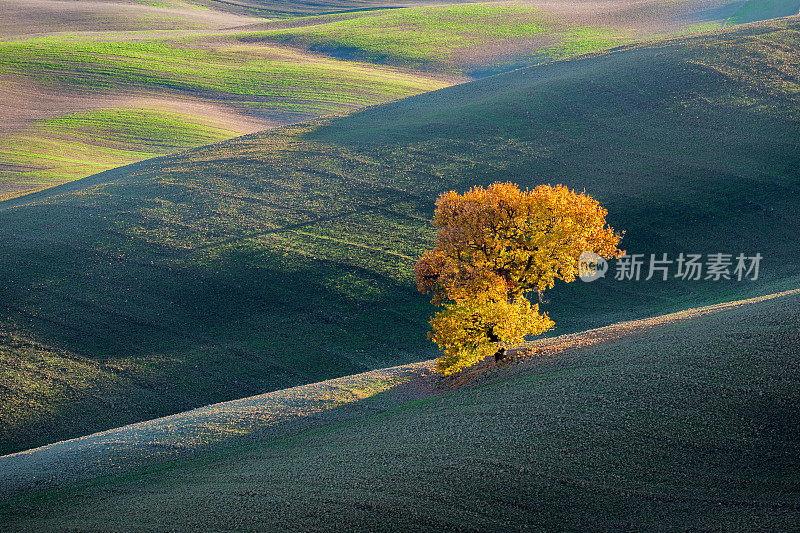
688	422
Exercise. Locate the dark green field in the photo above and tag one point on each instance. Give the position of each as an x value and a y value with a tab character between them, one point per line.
754	10
690	425
286	257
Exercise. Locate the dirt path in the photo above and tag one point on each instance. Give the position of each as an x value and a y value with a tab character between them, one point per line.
286	412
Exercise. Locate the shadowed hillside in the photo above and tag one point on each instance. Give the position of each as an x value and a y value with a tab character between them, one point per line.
283	258
683	424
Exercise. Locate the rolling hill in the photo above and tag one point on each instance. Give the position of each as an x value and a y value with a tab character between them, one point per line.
488	37
90	85
286	257
682	422
32	17
80	104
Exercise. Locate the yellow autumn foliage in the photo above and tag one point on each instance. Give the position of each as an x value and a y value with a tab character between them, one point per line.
493	246
462	329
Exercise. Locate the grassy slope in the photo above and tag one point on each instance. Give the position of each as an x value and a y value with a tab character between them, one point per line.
489	37
31	366
690	425
295	82
270	85
79	144
438	37
670	145
286	257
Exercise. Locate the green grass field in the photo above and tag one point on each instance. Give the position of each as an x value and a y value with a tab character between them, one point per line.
293	82
76	145
286	257
688	425
484	38
439	37
274	84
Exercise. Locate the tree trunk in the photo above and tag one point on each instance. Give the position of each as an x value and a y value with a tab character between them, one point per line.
501	352
500	355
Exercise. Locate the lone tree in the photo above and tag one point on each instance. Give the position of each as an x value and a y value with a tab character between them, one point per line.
495	245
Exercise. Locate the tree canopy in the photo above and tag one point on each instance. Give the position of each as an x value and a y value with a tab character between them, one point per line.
493	246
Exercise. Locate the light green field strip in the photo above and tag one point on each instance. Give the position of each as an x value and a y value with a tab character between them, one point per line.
156	129
441	35
252	79
292	81
585	40
422	34
72	146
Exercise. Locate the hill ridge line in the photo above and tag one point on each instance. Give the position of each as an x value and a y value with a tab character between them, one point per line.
288	411
686	314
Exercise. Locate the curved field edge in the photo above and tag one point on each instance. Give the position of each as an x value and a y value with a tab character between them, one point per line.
627	401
